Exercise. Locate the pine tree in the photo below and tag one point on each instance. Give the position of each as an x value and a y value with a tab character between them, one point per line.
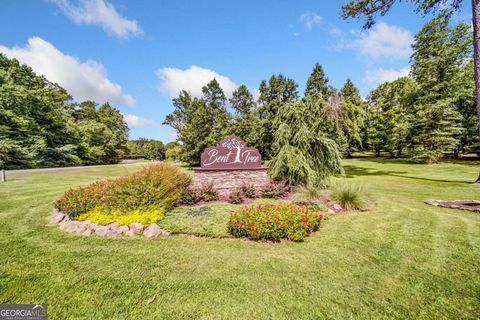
273	95
246	120
390	116
354	117
440	53
318	82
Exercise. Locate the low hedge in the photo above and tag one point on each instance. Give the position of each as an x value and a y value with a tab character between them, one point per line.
274	222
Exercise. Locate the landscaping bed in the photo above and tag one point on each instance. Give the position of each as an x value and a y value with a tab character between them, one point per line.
159	200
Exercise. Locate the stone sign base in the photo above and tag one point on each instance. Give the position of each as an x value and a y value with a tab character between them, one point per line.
224	181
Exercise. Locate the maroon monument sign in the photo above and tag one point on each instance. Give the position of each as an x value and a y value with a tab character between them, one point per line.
230	165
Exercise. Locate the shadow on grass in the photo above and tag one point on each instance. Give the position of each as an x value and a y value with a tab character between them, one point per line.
352	171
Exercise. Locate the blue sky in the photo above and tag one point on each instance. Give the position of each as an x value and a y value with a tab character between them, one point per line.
138	54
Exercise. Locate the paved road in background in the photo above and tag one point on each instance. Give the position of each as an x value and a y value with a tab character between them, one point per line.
11	172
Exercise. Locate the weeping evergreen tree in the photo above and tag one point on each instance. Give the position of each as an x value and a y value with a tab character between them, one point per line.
303	152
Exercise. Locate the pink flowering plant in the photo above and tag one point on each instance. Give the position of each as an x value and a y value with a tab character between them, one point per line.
274	222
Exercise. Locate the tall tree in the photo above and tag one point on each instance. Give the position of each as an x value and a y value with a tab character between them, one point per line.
246	119
354	117
439	55
199	122
34	119
273	95
389	116
318	82
304	154
369	9
116	147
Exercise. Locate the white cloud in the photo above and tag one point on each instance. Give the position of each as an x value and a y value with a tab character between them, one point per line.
83	80
136	121
375	77
101	13
174	80
385	41
310	19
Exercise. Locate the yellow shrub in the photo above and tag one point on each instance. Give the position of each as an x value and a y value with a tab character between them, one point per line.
124	218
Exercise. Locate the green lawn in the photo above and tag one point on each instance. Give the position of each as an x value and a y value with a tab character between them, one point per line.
403	259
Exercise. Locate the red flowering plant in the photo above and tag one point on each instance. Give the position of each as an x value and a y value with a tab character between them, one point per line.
81	200
274	222
154	186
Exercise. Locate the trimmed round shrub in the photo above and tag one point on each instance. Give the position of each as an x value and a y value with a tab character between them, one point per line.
274	222
157	186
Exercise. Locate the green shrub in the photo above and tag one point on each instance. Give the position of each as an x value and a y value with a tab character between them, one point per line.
236	196
274	222
275	190
208	193
349	196
249	191
189	196
155	186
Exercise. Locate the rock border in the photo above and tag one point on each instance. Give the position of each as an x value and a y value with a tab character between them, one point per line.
469	205
112	230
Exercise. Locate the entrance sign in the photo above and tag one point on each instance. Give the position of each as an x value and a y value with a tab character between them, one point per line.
231	153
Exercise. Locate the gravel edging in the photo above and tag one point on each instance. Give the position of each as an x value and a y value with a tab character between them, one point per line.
112	230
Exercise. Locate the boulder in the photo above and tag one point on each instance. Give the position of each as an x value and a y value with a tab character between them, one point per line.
123	229
136	227
87	232
113	234
154	231
101	231
131	233
57	217
113	226
72	226
336	207
64	224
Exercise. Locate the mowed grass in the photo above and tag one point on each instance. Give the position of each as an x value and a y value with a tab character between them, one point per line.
401	260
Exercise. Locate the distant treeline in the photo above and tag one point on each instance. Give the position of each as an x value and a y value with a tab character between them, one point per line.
40	126
151	149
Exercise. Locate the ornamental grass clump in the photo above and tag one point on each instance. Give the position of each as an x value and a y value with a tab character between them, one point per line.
155	187
349	196
274	222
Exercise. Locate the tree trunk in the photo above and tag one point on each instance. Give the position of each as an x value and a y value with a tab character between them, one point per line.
476	58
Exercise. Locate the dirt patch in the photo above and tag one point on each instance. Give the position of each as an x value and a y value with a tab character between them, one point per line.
469	205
